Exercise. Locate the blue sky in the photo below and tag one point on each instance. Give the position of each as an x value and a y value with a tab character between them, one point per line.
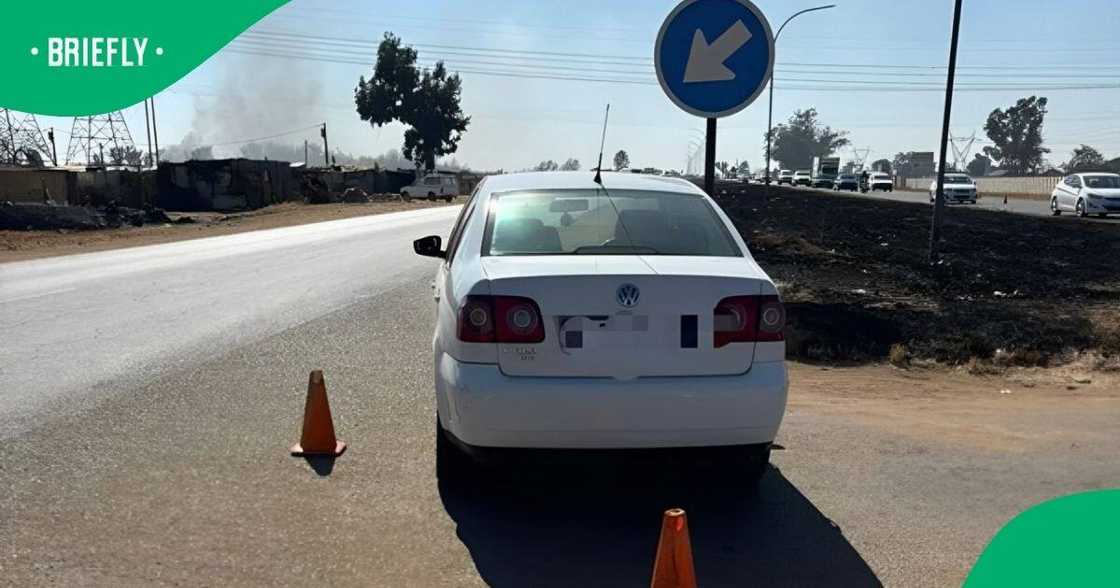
255	87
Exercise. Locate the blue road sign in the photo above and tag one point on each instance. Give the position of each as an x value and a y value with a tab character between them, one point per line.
714	57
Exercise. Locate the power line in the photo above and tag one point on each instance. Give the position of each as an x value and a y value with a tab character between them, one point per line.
847	84
276	44
278	135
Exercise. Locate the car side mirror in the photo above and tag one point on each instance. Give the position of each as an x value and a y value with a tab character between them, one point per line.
430	246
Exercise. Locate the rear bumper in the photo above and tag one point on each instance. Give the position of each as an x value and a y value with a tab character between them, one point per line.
482	407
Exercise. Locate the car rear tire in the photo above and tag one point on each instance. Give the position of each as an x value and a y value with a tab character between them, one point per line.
748	469
1080	209
449	198
406	197
432	196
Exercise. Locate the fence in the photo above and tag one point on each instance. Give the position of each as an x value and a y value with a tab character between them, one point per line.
1036	185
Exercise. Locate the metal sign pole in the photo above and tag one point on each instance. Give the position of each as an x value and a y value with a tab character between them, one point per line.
710	159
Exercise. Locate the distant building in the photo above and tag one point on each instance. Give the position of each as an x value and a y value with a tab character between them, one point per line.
224	184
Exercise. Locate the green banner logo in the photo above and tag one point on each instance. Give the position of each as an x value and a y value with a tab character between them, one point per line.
1068	541
77	57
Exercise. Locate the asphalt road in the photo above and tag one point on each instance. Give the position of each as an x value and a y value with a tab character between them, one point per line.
76	326
152	394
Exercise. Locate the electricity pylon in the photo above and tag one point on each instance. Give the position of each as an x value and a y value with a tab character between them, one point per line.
92	138
22	141
961	148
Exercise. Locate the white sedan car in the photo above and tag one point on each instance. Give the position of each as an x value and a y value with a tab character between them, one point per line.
574	315
1085	194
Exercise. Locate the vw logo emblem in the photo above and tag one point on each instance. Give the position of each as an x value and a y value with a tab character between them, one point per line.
628	295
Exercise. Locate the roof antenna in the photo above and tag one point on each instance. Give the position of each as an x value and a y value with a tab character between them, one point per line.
602	142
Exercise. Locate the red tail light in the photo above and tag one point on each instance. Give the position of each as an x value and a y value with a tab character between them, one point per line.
748	318
500	319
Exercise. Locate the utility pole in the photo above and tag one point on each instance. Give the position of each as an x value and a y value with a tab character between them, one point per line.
54	150
155	128
305	153
326	148
101	149
148	131
939	200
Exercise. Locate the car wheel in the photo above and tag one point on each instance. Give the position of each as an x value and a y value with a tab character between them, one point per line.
1102	215
1054	210
406	197
432	196
449	198
749	466
1080	209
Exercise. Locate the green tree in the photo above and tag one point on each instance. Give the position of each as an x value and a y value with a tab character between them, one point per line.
571	165
126	156
621	160
1085	158
797	141
1017	134
547	165
882	165
426	101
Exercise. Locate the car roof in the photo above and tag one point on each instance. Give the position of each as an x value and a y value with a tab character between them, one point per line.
585	180
1106	174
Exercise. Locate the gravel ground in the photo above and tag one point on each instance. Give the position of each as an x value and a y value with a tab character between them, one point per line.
887	476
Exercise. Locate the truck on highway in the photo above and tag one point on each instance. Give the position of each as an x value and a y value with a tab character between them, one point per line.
824	172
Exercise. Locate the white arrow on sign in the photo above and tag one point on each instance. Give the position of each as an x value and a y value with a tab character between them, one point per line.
705	62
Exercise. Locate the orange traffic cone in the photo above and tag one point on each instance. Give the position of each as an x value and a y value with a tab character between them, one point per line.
318	430
673	566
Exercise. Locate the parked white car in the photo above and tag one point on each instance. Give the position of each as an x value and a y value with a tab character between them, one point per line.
802	177
959	188
571	315
785	176
1085	194
432	187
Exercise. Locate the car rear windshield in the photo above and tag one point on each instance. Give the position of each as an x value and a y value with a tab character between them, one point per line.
1103	182
956	179
593	222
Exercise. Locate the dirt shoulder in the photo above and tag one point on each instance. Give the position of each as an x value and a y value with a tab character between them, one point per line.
22	245
1020	409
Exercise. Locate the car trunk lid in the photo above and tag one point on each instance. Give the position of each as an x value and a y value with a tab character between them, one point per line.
624	316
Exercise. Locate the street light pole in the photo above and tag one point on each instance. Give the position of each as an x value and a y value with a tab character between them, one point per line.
770	113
